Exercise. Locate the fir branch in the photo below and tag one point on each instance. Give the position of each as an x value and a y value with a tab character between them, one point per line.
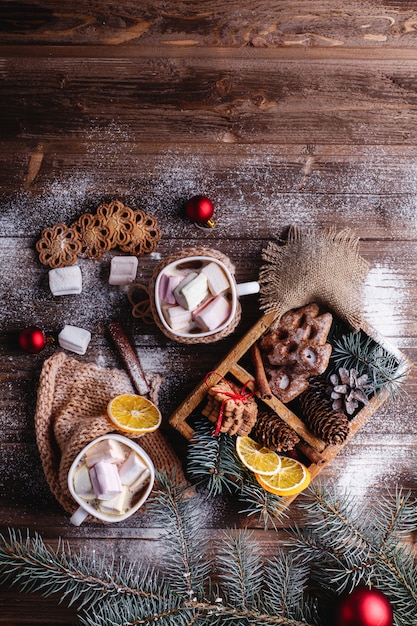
212	461
183	534
269	507
240	569
79	578
360	352
352	550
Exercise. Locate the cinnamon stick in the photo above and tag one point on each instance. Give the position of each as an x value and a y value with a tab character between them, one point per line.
129	358
260	375
313	455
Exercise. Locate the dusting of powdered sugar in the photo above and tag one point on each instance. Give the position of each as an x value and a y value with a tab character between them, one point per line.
384	297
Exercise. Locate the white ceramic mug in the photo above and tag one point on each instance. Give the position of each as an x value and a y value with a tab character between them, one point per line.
85	508
197	262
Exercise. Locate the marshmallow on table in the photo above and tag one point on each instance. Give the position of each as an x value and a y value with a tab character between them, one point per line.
123	270
213	314
167	284
107	451
131	469
178	317
105	480
82	483
192	290
217	279
74	339
117	505
65	280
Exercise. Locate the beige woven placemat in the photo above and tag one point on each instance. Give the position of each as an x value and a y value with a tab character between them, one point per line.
187	252
71	412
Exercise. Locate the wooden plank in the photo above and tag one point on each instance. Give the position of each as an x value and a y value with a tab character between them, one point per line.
209	23
212	100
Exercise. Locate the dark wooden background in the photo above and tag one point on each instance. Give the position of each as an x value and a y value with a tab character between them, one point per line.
283	113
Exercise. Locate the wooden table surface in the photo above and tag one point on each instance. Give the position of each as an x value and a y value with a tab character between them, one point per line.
292	113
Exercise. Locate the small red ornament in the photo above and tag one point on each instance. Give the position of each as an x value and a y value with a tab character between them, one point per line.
200	209
365	607
32	339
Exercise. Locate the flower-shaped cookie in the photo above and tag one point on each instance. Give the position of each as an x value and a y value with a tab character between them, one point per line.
58	246
144	236
93	234
119	219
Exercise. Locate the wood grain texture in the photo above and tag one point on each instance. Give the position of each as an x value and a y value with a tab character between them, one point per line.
283	113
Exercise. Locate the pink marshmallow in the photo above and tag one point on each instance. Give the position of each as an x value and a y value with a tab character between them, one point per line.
214	314
105	480
167	284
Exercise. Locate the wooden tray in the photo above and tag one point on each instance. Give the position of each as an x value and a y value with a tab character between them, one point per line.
317	452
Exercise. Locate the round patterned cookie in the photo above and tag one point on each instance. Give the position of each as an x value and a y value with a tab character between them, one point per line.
144	236
58	246
119	219
94	236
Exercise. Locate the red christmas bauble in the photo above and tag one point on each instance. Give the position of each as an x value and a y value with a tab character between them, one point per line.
32	339
365	607
199	209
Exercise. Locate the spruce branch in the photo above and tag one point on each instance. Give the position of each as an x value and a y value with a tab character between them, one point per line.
360	352
212	462
354	546
240	569
183	534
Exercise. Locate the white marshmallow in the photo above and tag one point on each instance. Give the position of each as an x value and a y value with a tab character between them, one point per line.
105	480
123	270
131	469
117	505
107	451
74	339
141	481
65	280
217	279
82	483
191	291
178	317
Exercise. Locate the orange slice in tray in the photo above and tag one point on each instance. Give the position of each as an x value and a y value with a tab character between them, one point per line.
292	478
257	458
134	414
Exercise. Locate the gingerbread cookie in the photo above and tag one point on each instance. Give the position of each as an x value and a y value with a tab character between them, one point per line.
296	350
238	416
119	219
144	235
58	246
94	236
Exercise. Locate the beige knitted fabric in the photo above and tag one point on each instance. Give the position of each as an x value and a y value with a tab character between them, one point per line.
314	266
71	412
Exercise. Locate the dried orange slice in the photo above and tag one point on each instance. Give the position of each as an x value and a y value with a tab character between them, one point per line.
290	479
134	414
257	458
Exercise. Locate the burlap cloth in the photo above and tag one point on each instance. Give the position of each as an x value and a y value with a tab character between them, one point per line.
71	412
314	266
187	252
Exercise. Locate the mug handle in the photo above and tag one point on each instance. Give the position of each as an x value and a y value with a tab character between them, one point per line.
79	516
246	289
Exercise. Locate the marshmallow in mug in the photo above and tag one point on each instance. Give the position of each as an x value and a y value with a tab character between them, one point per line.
111	478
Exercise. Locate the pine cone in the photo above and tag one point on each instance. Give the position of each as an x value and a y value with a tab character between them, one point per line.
332	426
348	390
273	433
